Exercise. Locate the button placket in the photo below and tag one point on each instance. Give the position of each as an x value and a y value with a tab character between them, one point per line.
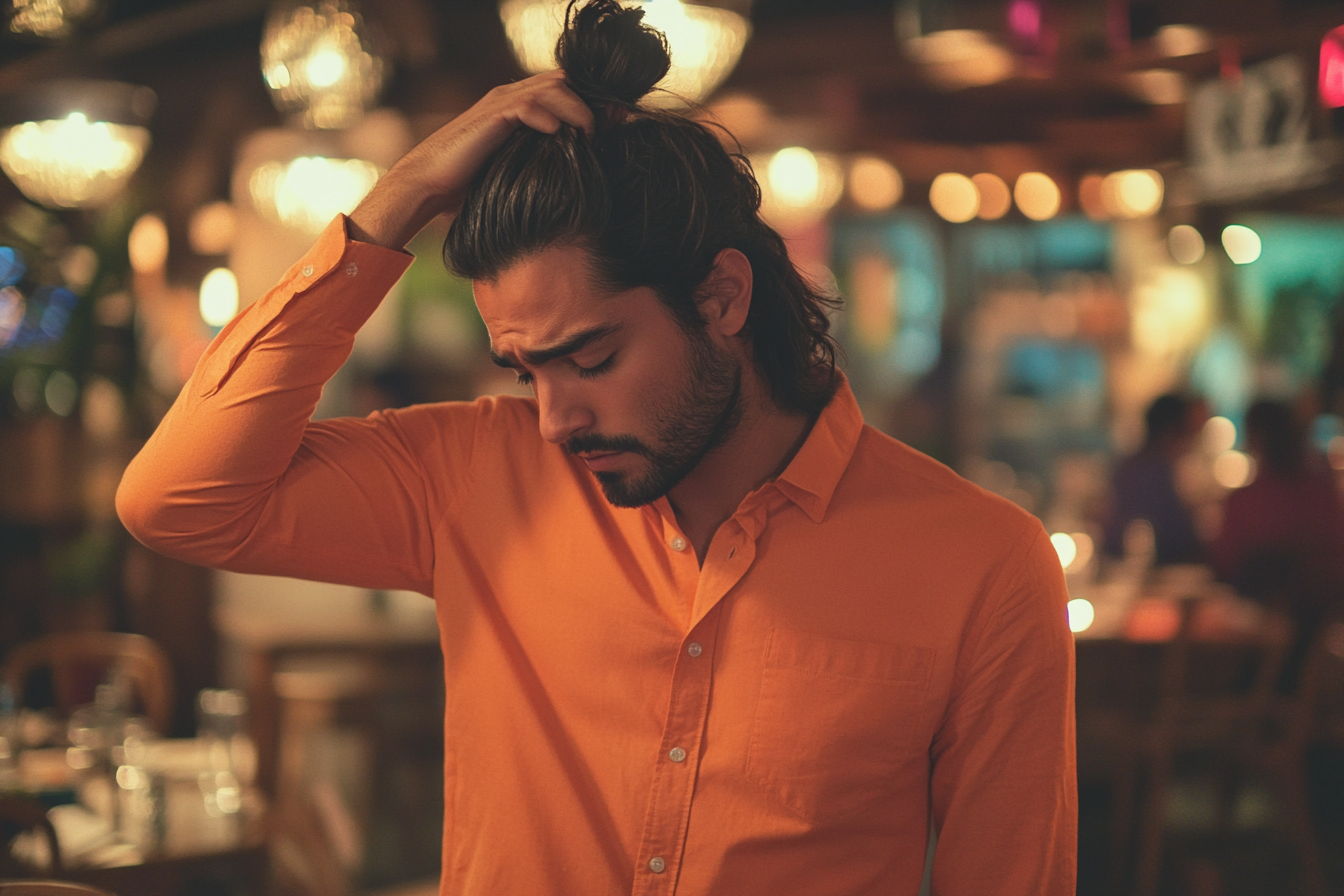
673	784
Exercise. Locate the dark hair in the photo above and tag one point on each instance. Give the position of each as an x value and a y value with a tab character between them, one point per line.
653	196
1167	415
1274	434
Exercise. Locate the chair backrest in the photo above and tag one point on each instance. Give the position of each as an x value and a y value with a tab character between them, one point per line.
68	654
48	888
18	814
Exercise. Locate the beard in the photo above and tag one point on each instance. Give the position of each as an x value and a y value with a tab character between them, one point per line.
698	419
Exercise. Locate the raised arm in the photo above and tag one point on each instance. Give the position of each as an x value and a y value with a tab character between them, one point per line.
236	476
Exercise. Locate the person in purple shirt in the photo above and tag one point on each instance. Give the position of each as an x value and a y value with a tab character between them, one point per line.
1144	486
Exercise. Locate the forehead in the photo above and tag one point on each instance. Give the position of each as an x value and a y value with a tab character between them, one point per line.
541	298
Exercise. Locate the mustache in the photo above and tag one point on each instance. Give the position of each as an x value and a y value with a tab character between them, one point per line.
597	442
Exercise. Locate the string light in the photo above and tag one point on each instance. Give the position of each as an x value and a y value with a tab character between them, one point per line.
954	197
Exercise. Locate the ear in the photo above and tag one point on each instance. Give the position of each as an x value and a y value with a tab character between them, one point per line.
724	296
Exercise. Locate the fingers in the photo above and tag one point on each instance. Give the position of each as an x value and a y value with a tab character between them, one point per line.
547	102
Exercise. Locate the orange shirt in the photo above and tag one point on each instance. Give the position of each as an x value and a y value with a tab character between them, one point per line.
872	645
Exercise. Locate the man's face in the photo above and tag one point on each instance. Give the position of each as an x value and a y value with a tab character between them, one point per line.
618	382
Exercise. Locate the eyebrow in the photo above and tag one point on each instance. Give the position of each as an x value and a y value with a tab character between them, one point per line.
538	356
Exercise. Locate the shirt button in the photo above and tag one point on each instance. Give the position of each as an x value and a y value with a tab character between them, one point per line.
678	543
694	648
657	865
351	269
676	754
307	270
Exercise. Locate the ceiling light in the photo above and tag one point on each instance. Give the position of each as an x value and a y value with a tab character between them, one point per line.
995	198
954	197
798	186
74	143
1132	194
49	18
874	183
319	62
307	192
1037	196
705	42
960	58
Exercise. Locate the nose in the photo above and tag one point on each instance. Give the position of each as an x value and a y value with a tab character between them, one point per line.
561	413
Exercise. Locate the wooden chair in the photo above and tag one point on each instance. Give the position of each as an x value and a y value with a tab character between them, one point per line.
48	888
17	815
72	656
1220	701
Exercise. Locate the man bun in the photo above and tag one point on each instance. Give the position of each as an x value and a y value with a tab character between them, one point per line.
609	56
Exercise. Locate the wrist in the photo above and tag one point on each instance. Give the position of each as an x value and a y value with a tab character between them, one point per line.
395	210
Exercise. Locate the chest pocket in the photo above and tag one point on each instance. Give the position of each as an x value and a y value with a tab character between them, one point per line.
834	721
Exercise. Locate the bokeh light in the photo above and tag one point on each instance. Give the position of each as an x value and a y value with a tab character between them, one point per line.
874	183
1133	193
1037	196
1185	244
1090	197
1219	435
61	393
71	162
995	198
309	191
212	228
1233	469
1081	614
1241	243
147	244
1065	547
954	197
219	297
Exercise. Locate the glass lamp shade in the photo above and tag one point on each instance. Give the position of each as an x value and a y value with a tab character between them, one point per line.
307	192
72	144
705	41
320	63
49	18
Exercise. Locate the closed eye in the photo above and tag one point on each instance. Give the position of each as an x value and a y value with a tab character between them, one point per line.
595	370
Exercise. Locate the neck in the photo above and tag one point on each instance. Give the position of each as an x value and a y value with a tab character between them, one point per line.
764	441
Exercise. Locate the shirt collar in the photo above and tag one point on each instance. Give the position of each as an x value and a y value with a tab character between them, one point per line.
811	477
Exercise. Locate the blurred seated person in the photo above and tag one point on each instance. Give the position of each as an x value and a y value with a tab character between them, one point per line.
1143	485
1282	540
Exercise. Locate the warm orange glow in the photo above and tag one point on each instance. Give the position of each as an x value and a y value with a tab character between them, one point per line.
874	183
1085	547
211	229
147	244
954	197
995	199
1090	197
1233	469
1219	435
1037	196
1132	194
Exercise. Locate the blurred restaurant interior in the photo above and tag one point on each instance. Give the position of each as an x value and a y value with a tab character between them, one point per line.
1092	258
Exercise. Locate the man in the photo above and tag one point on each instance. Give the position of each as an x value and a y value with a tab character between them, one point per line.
703	631
1143	486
